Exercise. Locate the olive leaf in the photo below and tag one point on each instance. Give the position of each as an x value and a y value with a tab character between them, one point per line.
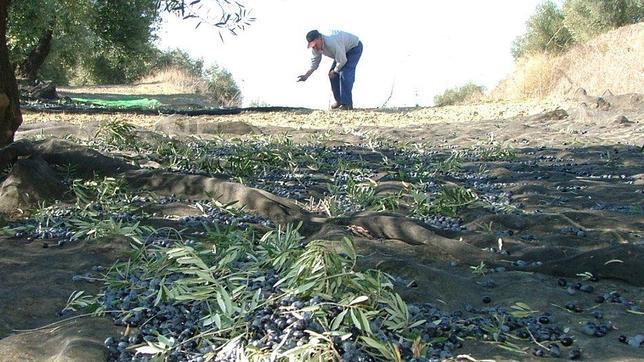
521	310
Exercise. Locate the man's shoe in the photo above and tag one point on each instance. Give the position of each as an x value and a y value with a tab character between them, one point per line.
345	107
335	105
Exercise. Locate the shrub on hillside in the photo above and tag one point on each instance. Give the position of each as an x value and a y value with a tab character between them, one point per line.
458	94
552	30
177	59
222	87
116	66
215	83
608	61
545	32
587	18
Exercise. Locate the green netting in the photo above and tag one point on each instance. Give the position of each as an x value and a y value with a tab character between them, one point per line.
121	103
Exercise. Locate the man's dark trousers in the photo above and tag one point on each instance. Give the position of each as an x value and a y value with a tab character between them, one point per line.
342	84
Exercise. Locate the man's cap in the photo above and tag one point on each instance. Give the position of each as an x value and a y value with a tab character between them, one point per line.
312	35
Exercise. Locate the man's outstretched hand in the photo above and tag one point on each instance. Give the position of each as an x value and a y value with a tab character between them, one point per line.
302	78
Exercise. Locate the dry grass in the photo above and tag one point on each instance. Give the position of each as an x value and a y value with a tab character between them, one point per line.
167	81
174	80
612	61
171	86
534	77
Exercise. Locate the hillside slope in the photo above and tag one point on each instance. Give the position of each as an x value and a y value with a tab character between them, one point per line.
612	61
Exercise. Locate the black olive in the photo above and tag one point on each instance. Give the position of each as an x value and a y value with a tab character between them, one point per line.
566	340
574	354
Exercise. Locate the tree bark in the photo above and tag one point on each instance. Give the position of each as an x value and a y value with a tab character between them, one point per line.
30	67
10	116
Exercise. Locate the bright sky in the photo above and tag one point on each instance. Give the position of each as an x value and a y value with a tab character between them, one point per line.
417	47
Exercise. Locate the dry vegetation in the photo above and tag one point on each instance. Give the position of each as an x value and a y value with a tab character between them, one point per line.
171	80
173	85
611	61
175	80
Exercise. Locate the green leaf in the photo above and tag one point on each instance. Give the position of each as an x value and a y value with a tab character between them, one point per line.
208	320
360	320
223	301
354	318
358	300
416	324
217	320
384	350
364	321
305	287
169	342
349	248
337	321
150	349
162	294
373	343
511	347
519	305
281	281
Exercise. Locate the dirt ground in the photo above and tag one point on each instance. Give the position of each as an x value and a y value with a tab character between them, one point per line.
578	176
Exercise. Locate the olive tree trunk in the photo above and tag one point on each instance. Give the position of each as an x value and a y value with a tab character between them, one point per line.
31	66
10	116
